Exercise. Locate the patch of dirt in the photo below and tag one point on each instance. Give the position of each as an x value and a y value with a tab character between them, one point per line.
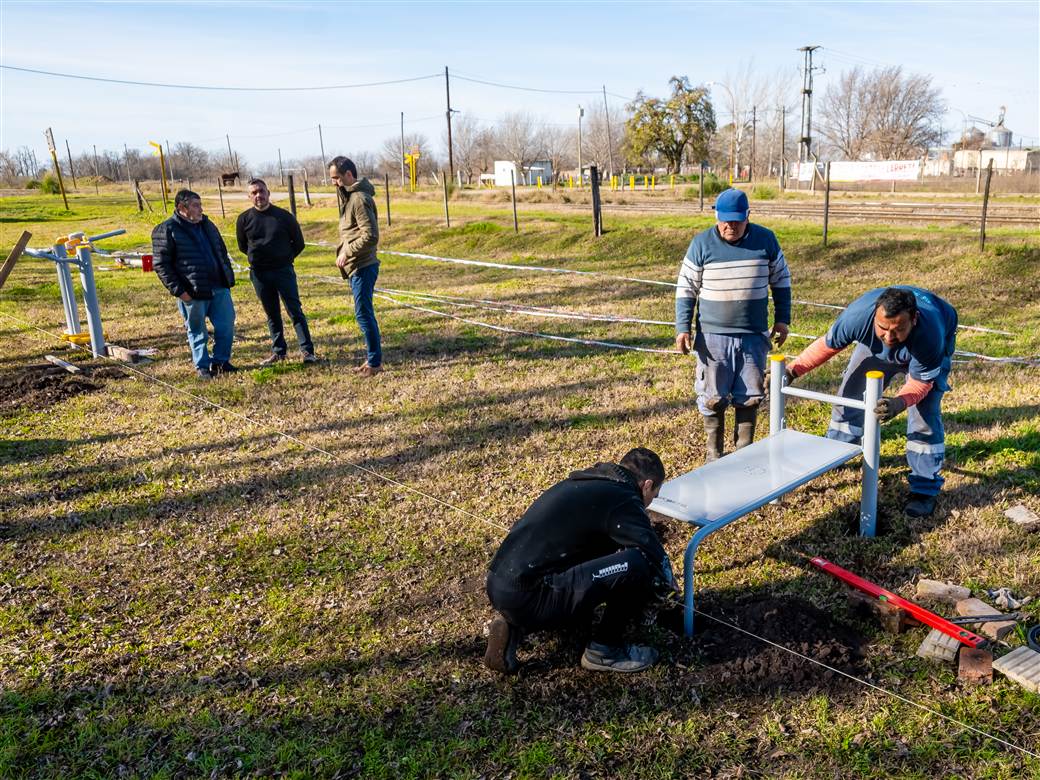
43	385
729	658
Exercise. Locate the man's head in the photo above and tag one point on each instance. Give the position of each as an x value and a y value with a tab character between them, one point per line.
259	194
895	316
342	171
189	205
731	214
648	470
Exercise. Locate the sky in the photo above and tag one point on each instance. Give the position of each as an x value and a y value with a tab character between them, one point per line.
981	56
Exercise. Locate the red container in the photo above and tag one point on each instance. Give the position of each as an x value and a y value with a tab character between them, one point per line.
146	263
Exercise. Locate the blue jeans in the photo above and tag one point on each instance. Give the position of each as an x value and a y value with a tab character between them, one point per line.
362	283
221	313
729	369
925	437
270	284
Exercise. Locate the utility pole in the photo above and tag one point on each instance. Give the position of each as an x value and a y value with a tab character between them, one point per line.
72	168
324	167
97	173
581	180
783	144
805	142
281	171
402	150
754	126
126	159
230	156
169	160
610	144
447	93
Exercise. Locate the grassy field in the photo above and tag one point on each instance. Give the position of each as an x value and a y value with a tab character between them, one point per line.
280	572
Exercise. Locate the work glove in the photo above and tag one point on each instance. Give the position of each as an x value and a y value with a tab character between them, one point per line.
887	408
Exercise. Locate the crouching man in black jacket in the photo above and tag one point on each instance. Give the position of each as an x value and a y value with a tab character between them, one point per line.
191	259
586	541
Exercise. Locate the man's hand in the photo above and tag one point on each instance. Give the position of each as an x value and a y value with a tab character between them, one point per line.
185	297
683	343
341	263
887	408
778	334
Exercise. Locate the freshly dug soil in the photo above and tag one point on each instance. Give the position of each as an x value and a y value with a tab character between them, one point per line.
44	385
729	658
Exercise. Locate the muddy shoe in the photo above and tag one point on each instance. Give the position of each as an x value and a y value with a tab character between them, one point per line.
274	357
627	658
503	639
920	505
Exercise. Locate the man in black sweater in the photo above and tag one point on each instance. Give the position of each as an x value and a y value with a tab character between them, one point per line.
586	541
271	238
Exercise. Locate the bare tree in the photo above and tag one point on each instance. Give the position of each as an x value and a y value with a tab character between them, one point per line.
881	114
470	141
389	160
517	139
595	147
559	145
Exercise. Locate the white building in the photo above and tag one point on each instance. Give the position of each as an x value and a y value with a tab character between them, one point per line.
506	173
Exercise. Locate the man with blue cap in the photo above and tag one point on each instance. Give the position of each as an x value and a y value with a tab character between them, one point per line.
728	274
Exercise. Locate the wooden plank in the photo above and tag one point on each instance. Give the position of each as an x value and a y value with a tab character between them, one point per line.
12	258
63	364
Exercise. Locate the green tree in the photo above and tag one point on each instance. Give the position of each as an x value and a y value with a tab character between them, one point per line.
680	126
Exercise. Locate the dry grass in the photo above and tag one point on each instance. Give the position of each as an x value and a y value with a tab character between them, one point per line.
185	592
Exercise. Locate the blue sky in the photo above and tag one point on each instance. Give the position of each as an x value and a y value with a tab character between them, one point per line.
981	55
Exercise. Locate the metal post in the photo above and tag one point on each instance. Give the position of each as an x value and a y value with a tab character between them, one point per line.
281	171
777	401
985	206
72	168
826	202
324	167
292	196
90	302
871	455
512	184
783	143
444	183
220	192
68	293
169	161
606	117
581	113
386	186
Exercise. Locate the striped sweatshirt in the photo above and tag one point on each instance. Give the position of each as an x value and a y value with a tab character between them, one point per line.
732	282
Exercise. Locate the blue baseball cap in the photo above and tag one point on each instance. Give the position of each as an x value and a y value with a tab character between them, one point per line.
731	206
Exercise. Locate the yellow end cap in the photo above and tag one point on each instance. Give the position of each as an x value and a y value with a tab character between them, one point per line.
875	375
777	357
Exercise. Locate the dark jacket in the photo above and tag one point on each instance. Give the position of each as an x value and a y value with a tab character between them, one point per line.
358	226
270	238
182	264
590	514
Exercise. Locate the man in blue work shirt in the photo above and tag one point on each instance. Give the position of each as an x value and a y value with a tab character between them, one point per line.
897	330
728	273
191	260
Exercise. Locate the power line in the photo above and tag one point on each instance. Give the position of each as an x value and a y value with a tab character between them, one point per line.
212	88
526	89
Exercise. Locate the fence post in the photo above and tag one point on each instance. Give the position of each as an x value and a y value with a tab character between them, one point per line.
826	201
137	192
597	209
512	184
292	196
386	185
701	179
220	192
985	206
306	189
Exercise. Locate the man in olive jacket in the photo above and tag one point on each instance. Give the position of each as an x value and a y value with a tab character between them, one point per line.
191	259
356	253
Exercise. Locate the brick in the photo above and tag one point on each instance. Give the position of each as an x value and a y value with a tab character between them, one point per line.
1021	665
994	630
1024	517
974	665
932	590
938	646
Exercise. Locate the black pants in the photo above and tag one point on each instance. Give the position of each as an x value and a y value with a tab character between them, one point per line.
622	581
270	284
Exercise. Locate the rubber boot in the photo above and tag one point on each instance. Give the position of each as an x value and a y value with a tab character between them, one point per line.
715	435
744	430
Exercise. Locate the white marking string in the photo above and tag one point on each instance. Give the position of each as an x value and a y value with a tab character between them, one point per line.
263	425
307	445
869	684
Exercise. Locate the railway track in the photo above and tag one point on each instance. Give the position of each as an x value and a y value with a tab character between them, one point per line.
884	212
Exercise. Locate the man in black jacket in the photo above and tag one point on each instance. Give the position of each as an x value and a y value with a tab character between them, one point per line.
271	238
586	541
191	259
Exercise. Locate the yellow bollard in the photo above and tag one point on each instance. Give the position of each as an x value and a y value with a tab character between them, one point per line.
631	182
671	181
539	182
570	182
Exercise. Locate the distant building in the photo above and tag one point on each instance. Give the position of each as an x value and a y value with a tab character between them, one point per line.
506	173
1005	160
